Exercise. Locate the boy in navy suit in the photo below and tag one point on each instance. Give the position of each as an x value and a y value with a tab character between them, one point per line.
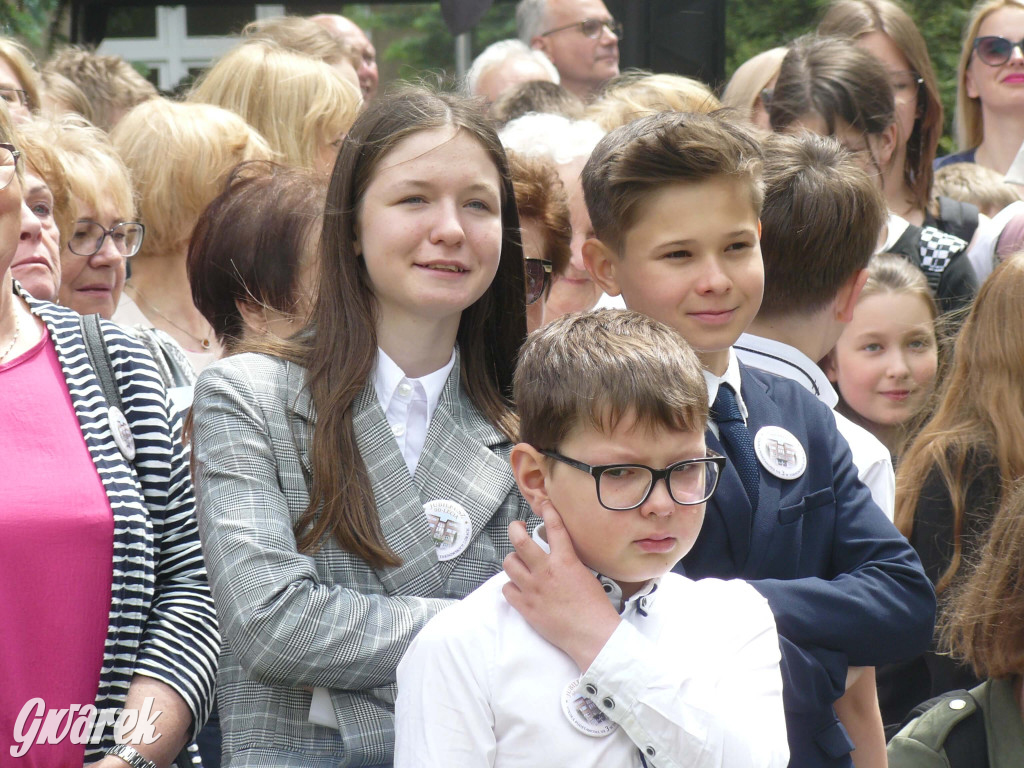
674	200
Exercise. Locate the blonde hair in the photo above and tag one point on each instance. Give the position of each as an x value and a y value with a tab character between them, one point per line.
891	273
750	78
295	102
636	94
110	84
300	35
38	140
968	123
975	184
180	155
19	59
95	171
61	96
980	410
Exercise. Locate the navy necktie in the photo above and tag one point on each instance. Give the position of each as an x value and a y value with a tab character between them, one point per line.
737	441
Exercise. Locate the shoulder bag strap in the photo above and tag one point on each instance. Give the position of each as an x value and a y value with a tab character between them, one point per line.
96	348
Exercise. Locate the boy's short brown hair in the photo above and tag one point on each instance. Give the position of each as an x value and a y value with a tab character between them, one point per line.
595	368
819	225
648	154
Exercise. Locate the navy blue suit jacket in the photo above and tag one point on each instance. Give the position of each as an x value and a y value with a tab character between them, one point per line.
844	585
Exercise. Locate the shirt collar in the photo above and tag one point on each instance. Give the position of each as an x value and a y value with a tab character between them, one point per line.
786	361
387	377
732	378
641	600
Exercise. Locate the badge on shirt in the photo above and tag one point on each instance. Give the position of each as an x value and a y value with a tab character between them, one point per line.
780	452
584	714
122	433
450	527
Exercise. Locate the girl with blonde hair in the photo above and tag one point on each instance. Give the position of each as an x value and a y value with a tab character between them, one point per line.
989	121
179	156
302	106
954	475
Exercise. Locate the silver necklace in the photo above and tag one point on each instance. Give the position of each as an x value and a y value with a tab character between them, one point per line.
17	333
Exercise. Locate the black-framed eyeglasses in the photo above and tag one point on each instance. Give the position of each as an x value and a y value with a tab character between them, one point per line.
995	50
628	486
592	28
87	237
538	278
14	96
9	157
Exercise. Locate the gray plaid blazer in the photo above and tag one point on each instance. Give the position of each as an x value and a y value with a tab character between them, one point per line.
293	621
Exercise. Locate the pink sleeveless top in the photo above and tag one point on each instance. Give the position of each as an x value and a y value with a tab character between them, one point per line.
56	560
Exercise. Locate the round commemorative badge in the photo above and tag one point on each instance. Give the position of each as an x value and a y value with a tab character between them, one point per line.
780	452
450	527
122	433
584	714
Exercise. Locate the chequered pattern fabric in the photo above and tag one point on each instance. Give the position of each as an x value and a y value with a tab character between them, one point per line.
937	249
293	621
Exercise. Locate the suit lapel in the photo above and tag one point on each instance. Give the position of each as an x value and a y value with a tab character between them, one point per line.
399	504
761	412
458	464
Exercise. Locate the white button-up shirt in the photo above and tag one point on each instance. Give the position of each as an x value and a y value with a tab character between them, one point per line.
408	404
691	677
872	459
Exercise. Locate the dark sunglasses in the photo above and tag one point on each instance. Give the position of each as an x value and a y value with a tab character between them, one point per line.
538	278
994	50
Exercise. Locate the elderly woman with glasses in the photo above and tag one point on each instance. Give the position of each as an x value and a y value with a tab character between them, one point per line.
990	87
104	601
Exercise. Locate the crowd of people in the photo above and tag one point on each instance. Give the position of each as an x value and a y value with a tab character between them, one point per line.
337	417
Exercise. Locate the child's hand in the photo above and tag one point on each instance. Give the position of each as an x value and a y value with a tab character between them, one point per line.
557	595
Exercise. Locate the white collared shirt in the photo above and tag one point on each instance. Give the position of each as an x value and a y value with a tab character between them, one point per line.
408	404
691	677
733	379
872	459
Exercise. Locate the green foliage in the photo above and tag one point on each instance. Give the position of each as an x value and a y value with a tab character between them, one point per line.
752	26
28	20
423	43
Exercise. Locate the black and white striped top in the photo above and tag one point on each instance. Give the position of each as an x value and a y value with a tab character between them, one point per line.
162	620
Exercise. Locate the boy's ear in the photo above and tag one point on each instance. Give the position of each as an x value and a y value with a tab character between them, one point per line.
848	295
601	263
531	473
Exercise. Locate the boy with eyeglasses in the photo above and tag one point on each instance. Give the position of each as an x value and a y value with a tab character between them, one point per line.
587	651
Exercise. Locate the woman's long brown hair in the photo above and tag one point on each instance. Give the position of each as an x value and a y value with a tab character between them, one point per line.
340	349
981	407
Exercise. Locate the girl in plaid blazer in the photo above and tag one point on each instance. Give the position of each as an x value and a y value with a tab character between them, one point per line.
320	460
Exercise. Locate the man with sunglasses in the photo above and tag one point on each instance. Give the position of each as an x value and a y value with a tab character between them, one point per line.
579	36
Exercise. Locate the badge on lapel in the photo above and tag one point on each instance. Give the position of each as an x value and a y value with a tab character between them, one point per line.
780	452
450	527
